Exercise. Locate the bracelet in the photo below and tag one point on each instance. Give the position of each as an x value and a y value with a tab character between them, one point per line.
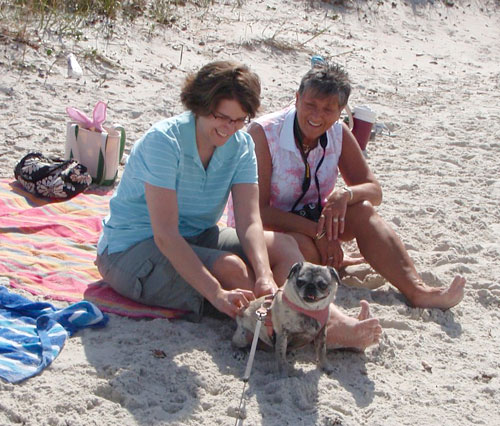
318	236
349	190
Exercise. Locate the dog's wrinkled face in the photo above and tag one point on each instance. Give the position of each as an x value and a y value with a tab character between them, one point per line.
314	286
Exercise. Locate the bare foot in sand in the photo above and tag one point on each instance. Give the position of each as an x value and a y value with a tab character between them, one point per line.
439	297
348	332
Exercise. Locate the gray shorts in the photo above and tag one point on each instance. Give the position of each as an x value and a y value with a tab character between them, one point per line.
142	273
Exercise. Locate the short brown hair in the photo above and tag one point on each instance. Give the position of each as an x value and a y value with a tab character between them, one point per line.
202	91
327	80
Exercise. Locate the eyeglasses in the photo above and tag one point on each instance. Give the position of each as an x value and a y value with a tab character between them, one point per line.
239	122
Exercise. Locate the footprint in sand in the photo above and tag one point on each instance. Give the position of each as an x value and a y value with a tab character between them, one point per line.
395	323
362	276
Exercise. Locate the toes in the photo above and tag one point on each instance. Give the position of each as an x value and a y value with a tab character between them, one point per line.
372	323
458	282
372	332
456	290
365	311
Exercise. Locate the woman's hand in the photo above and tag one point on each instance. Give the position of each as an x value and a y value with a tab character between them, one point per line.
332	219
264	286
330	251
232	302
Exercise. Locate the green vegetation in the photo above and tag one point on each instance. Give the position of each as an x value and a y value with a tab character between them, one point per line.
26	21
42	25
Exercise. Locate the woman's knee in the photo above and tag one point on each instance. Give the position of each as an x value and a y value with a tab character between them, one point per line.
281	246
285	242
359	214
365	209
232	272
310	251
362	219
298	247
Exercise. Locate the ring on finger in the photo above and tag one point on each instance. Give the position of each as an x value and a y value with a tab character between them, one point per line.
341	219
330	258
335	219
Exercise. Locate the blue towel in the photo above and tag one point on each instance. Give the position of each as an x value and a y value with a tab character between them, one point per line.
33	333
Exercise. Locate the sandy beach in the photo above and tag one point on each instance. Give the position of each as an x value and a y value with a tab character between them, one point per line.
431	71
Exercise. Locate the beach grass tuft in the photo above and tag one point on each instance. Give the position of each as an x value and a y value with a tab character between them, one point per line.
29	21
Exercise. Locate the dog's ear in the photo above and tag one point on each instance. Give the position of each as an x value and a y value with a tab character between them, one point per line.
295	269
334	274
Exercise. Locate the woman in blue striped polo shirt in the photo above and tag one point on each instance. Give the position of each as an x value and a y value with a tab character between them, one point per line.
160	243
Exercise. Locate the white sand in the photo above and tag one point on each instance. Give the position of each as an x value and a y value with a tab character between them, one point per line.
432	73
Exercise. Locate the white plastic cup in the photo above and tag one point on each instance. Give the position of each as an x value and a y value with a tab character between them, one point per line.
364	118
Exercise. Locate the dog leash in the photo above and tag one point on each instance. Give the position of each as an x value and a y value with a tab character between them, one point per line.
261	314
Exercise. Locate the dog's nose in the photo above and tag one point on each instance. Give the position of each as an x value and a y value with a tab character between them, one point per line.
310	291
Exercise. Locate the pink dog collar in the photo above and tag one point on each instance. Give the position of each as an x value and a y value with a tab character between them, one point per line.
321	316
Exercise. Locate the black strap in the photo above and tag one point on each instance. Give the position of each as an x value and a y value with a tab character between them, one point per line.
306	183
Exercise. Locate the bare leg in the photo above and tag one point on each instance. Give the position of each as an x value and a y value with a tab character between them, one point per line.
283	253
349	332
233	273
385	252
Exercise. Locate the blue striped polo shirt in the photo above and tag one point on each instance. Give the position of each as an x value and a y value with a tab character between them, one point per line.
167	156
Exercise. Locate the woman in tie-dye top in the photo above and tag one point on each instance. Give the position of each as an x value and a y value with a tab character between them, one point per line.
310	135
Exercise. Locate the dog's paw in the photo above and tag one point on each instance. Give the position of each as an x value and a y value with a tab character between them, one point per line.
240	354
240	338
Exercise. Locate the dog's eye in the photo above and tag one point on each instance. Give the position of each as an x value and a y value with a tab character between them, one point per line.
322	285
301	283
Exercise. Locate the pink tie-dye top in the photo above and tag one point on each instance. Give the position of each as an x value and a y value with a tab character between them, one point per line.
287	164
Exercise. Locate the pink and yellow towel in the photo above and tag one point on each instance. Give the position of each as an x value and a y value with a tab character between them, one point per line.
48	248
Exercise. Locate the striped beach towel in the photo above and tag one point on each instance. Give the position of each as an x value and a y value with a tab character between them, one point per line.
33	333
48	248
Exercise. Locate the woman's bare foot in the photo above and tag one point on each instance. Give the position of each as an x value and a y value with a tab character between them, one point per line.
348	332
439	297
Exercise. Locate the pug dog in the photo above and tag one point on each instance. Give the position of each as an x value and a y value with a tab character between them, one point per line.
298	313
